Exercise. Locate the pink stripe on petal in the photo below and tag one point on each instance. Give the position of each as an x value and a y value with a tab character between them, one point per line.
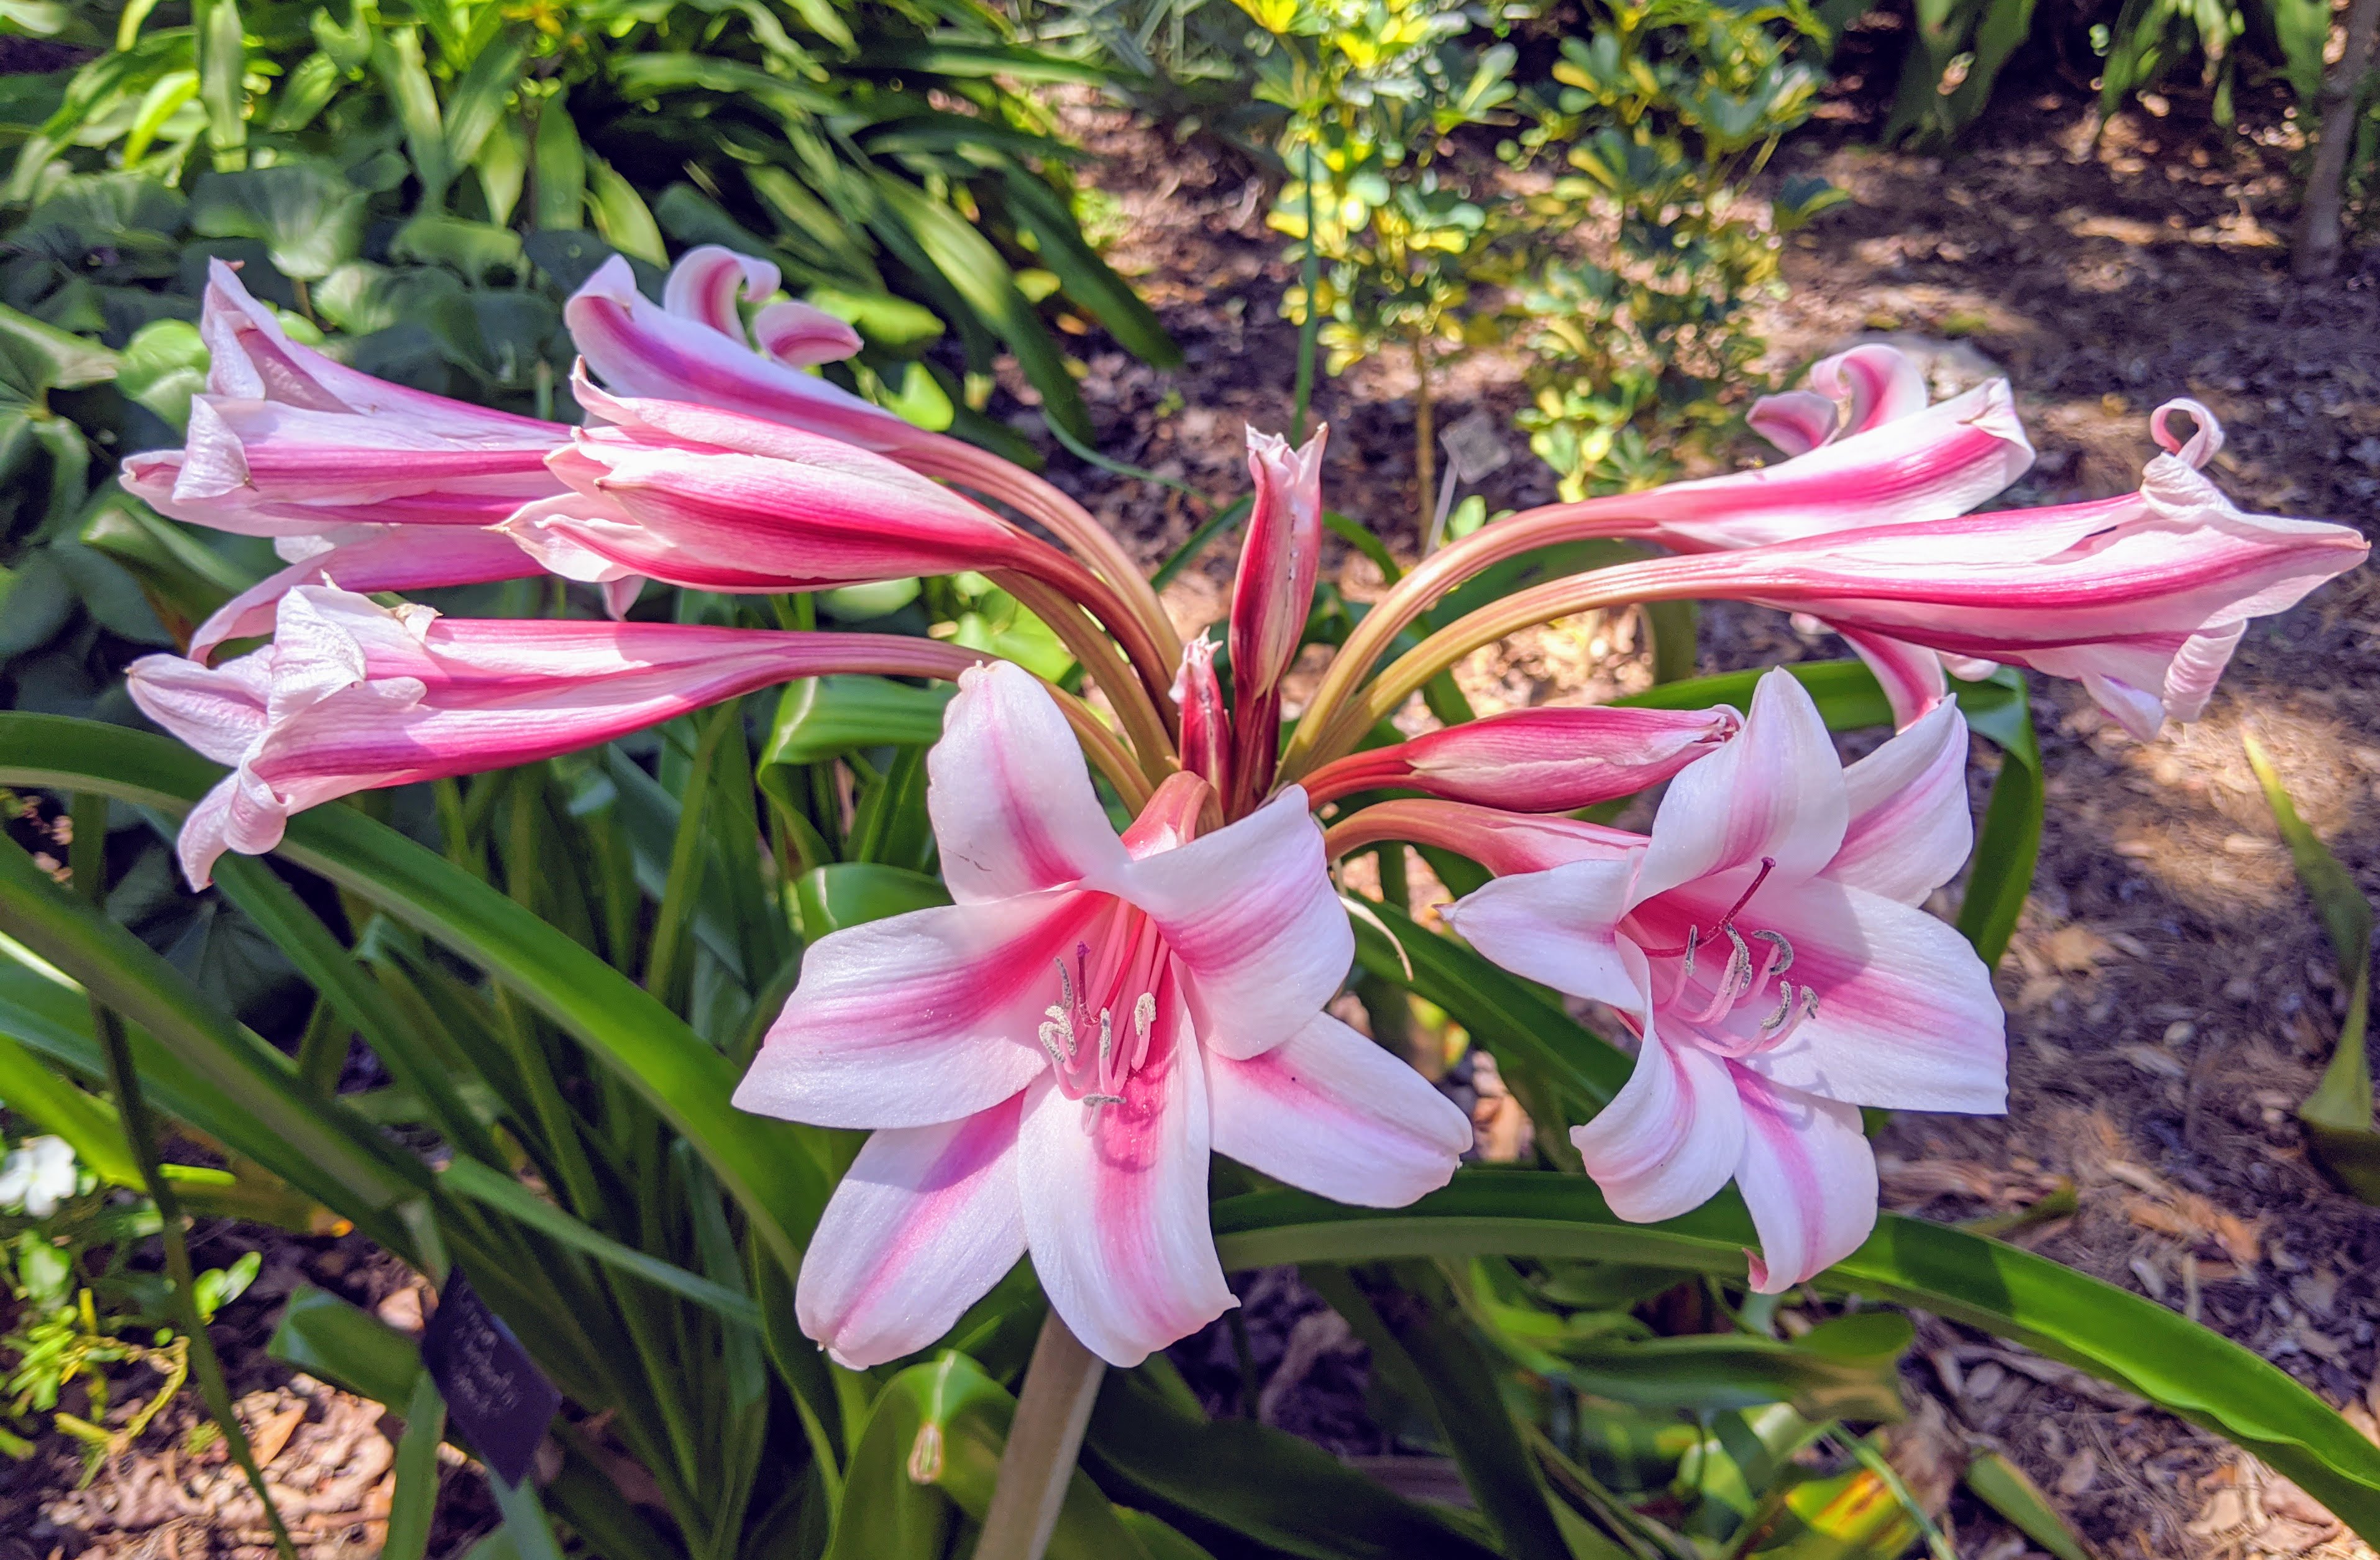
920	1017
1882	384
1808	1177
1796	421
1250	912
1670	1138
399	559
706	282
925	1220
1910	829
1910	675
1775	792
1561	926
1329	1111
1115	1203
1907	1018
1009	797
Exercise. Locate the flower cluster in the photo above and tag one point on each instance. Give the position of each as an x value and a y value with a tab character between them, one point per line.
1046	1062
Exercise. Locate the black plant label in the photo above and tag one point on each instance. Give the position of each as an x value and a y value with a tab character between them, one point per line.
495	1392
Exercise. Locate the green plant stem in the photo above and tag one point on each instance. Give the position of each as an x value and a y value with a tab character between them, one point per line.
88	858
1052	1410
1309	330
685	879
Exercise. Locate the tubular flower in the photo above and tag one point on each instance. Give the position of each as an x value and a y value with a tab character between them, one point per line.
1205	719
1271	594
1049	1061
2141	599
352	696
719	501
693	348
1765	944
1535	761
287	442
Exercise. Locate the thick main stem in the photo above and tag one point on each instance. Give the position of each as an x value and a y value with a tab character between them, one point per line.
1052	1410
1657	580
953	460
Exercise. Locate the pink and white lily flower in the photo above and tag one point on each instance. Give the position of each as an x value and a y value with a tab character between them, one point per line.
1049	1061
351	697
368	558
286	441
718	500
1766	945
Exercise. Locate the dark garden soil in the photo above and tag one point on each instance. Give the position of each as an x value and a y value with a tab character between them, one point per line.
2170	996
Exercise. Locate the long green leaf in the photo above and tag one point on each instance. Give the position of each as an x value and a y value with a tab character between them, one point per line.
494	1189
311	1142
2096	1327
764	1164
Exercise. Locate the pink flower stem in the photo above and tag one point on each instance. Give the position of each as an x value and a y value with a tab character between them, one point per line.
1053	1409
1333	723
1433	578
1142	717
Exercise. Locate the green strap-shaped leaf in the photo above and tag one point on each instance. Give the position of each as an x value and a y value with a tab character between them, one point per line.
2096	1327
762	1163
2338	1114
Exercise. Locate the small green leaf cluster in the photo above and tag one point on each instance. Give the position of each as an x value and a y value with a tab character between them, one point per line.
1644	244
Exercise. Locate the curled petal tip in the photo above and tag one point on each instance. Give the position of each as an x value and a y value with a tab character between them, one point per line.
2203	445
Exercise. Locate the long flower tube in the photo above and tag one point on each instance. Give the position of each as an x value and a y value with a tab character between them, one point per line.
2140	598
1047	1064
1555	760
718	501
640	349
352	696
1763	941
286	441
1919	465
368	558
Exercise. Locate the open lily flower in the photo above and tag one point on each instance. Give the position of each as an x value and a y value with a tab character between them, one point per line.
351	697
1049	1061
1765	944
1535	761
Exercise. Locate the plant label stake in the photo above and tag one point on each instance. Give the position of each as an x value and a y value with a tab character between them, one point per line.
499	1398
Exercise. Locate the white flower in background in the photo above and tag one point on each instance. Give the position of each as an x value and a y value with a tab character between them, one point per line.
37	1175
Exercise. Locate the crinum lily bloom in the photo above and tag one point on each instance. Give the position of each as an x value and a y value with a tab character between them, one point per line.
352	696
1765	944
1048	1062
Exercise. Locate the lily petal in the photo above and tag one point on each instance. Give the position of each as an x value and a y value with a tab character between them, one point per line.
1009	794
917	1018
1910	675
1329	1111
925	1220
1115	1203
1776	791
1809	1177
378	558
1910	830
1906	1018
1250	912
1561	926
1670	1138
706	283
1796	421
219	710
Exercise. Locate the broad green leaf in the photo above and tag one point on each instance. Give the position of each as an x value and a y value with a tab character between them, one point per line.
308	217
397	58
478	100
851	893
1845	1369
223	70
36	359
347	1345
2116	1336
313	1144
894	324
759	1161
820	718
475	249
2338	1114
557	171
1060	242
621	214
163	366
